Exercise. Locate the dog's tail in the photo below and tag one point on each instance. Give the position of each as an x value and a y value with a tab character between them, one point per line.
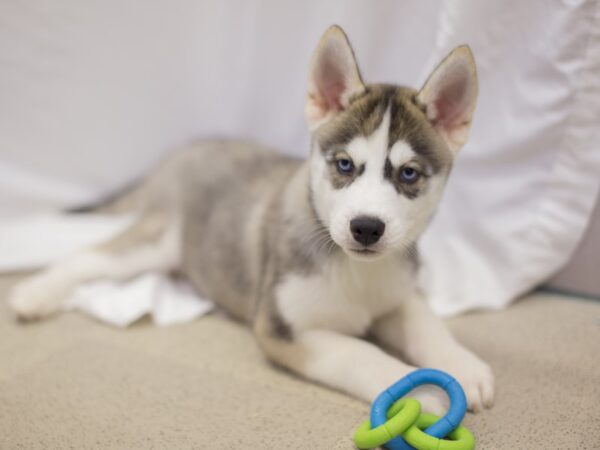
123	200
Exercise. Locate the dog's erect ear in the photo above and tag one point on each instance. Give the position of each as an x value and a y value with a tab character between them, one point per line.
333	78
450	95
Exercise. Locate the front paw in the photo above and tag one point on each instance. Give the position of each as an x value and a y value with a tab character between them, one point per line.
476	378
35	298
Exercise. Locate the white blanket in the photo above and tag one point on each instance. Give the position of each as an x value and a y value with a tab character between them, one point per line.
165	300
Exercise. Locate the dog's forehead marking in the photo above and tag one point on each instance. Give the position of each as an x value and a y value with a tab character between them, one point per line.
362	118
378	141
371	151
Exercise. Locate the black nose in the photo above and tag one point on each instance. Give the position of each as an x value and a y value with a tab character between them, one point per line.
367	230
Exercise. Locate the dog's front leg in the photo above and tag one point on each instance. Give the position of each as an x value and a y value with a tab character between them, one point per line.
423	338
345	363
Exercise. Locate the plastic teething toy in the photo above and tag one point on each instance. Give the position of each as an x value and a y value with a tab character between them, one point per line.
397	423
406	413
459	439
455	414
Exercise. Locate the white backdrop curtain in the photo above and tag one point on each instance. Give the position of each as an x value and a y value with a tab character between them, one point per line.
93	93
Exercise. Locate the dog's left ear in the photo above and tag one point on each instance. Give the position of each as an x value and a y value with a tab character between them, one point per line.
333	78
449	96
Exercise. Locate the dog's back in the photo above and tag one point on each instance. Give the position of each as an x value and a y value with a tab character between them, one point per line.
214	195
233	187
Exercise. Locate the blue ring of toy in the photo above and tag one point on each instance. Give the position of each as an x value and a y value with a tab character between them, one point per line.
440	429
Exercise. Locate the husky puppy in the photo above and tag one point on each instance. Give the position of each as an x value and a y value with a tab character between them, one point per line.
314	255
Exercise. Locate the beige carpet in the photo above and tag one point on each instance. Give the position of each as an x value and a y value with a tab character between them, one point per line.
72	383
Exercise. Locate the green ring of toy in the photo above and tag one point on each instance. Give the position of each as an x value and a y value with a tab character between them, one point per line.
405	413
459	439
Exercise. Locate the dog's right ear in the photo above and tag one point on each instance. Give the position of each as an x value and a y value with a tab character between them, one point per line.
333	79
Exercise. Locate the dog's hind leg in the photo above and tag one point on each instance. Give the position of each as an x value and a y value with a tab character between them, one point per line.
152	243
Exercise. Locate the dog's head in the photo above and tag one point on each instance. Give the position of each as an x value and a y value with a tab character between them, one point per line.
381	154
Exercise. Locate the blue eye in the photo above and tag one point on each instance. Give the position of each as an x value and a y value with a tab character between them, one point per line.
345	166
409	175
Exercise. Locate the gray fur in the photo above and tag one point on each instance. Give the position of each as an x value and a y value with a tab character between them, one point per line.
218	188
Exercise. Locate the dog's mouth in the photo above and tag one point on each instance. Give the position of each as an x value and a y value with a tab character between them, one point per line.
365	254
363	251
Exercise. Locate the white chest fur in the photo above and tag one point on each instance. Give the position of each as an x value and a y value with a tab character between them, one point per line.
345	296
